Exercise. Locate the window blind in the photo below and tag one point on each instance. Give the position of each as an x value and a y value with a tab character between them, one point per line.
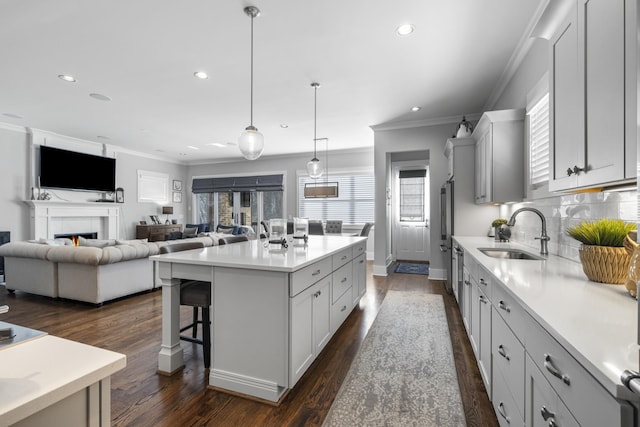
354	205
539	142
241	183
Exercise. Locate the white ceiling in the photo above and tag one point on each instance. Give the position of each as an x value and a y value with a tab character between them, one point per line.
143	53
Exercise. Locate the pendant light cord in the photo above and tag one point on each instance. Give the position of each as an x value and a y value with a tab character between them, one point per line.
251	96
315	119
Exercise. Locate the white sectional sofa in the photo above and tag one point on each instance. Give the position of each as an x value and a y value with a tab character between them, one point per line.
95	272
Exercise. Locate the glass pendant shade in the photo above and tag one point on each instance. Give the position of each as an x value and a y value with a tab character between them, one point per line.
314	168
251	143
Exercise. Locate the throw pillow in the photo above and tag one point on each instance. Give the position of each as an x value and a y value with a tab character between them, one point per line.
131	242
95	243
189	232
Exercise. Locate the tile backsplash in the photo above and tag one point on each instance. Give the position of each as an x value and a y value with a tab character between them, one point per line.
562	212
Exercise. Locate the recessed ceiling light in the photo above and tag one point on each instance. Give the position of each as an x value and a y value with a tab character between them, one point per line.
67	78
100	97
404	29
13	116
416	108
193	147
284	126
217	144
103	137
201	75
183	154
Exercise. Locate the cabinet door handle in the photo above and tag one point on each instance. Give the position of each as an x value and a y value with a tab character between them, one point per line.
503	353
483	299
344	279
343	258
317	294
503	413
466	282
361	261
554	371
315	273
546	414
503	306
344	307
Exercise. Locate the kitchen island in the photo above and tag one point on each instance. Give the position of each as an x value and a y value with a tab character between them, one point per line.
273	308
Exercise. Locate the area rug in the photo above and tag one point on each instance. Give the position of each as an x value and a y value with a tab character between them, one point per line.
404	373
410	268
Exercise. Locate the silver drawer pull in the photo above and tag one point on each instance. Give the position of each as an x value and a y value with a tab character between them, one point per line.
554	371
343	258
317	294
344	307
482	282
503	413
361	261
503	306
360	249
343	280
315	273
548	415
482	299
503	353
466	282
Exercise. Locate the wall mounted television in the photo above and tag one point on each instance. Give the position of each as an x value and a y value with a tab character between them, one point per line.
71	170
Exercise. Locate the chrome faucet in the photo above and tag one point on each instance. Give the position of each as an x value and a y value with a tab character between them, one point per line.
544	238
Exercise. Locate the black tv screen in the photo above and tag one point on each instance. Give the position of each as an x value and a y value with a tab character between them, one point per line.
76	171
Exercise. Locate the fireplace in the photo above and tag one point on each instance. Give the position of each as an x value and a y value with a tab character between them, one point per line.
91	235
51	218
5	237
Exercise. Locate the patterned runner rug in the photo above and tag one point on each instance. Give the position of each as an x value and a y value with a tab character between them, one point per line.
404	373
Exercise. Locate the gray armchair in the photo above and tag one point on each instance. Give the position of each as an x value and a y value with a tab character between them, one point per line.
334	226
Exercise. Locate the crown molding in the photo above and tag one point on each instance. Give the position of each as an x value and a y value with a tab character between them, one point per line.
422	123
14	128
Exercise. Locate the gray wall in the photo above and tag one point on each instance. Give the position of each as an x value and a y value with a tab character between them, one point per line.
15	185
338	160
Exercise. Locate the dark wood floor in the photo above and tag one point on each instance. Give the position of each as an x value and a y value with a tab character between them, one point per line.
140	397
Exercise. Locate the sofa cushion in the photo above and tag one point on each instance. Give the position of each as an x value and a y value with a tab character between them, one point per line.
25	250
75	254
131	242
95	243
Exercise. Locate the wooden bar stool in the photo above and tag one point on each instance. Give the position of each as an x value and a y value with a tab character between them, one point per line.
196	294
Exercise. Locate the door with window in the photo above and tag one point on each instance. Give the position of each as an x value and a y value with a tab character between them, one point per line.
411	237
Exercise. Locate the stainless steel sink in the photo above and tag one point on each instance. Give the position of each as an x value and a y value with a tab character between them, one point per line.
508	253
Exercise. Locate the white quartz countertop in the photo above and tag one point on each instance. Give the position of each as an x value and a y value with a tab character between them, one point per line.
255	256
35	374
596	322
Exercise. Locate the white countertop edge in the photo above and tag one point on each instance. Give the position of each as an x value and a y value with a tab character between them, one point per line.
211	256
616	348
85	365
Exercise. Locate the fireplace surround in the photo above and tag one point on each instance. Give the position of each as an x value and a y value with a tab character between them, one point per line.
50	218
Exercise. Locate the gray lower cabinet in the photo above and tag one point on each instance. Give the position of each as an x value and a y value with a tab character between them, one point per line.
531	379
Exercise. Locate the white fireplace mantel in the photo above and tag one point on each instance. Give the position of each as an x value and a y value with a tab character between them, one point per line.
49	218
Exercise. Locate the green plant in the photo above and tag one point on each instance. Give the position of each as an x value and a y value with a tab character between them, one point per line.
602	232
498	222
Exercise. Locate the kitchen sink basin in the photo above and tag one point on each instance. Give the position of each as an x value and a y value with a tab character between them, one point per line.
508	253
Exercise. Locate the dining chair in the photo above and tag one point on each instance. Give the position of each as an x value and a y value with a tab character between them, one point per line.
233	239
334	226
315	227
365	229
196	294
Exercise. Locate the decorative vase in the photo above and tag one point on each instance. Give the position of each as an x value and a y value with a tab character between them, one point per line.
605	264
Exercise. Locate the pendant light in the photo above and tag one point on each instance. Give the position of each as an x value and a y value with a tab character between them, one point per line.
251	142
314	167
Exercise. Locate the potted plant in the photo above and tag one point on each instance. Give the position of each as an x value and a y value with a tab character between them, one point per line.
602	253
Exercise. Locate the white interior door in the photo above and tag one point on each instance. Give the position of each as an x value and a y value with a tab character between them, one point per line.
411	212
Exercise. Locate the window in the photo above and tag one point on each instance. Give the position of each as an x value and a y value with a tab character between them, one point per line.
538	144
412	203
354	204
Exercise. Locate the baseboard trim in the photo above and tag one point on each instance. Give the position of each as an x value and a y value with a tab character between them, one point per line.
438	274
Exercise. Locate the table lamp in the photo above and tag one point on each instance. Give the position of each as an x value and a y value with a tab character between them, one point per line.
167	210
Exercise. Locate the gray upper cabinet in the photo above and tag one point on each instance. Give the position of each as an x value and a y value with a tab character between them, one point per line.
592	98
499	174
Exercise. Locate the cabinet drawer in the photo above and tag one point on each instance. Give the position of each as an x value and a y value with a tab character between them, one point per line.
358	249
508	360
485	282
512	312
340	310
342	257
471	264
503	403
342	280
589	403
307	276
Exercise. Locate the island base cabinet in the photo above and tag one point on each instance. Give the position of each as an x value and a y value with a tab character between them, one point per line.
543	407
359	277
310	326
